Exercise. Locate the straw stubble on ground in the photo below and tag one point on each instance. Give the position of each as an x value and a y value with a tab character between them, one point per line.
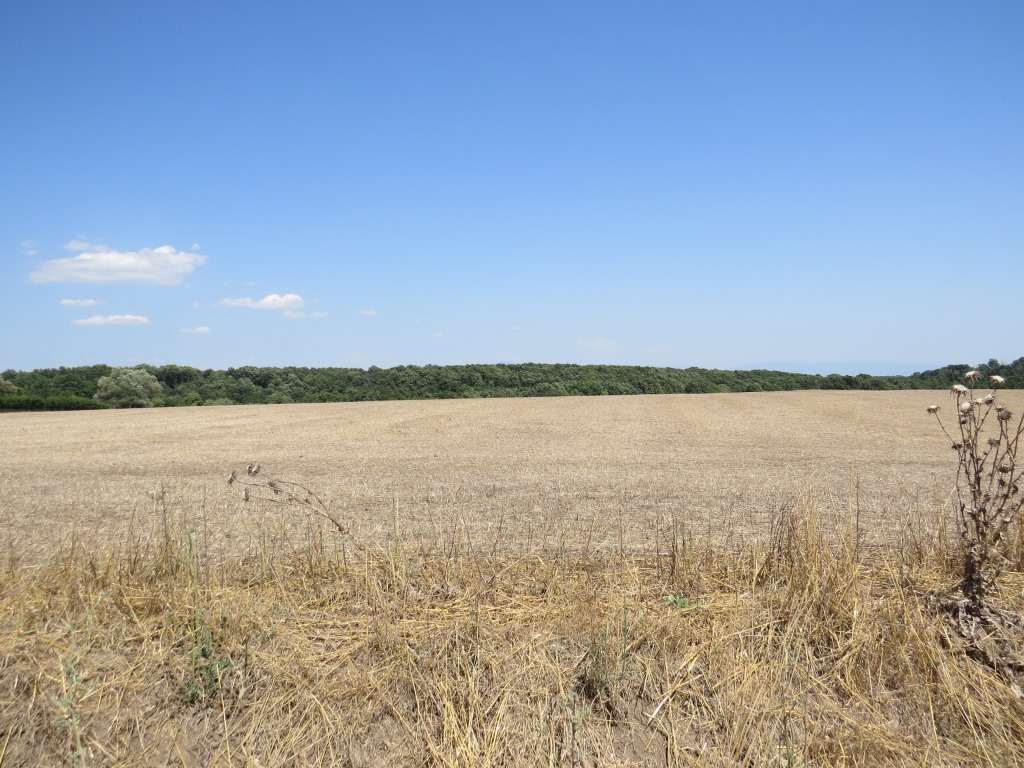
691	580
578	472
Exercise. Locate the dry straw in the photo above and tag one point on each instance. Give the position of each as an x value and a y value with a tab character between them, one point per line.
316	642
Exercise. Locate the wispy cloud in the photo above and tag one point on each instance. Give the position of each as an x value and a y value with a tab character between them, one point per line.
80	302
273	301
100	264
113	320
368	312
81	245
291	314
29	247
199	329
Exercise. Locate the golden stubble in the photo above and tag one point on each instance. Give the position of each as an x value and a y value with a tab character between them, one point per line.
609	473
714	580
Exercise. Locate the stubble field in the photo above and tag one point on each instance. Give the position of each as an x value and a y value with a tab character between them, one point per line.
662	580
578	473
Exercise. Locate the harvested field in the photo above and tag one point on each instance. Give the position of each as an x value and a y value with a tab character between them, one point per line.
579	473
713	580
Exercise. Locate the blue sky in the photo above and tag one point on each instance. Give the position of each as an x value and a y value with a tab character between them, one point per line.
802	185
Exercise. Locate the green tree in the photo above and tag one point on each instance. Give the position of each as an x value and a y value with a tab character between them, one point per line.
128	388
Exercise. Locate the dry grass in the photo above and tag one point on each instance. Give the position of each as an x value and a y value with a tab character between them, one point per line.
701	580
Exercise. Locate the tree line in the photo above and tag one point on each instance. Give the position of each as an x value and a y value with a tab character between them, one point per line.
68	388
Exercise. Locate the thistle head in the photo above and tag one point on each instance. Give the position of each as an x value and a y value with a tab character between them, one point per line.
958	389
933	409
972	375
1004	414
966	407
997	380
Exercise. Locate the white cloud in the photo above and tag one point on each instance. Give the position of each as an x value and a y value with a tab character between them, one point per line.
291	314
195	247
81	245
273	301
113	320
29	247
80	302
199	329
99	264
368	312
438	335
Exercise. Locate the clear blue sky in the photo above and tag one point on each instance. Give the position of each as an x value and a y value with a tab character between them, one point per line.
819	186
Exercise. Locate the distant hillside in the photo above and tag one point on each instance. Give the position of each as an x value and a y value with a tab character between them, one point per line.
70	388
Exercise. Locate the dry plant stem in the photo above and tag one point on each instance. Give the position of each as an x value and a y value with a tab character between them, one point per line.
988	481
284	492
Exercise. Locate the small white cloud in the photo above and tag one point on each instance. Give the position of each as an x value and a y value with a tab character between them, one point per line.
29	247
517	327
368	312
80	245
199	329
80	302
196	305
438	335
273	301
99	264
113	320
195	247
292	314
600	345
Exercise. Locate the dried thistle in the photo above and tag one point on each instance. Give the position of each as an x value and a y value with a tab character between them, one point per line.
986	460
933	409
997	380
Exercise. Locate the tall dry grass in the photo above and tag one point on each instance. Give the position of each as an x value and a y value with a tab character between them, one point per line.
802	649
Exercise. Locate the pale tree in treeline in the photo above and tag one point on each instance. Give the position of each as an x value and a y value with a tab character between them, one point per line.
128	388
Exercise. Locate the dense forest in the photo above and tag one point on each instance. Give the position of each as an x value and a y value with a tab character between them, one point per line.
73	388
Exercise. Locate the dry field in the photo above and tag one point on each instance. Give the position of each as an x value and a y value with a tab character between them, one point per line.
711	580
578	473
